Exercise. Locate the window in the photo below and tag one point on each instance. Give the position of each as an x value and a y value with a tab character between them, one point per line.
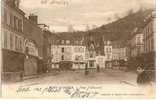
62	57
81	49
148	46
91	55
110	50
152	44
15	23
20	25
76	49
11	20
151	47
91	64
2	38
107	50
5	16
5	39
77	42
62	50
16	43
108	56
15	27
8	18
8	40
2	14
11	41
21	44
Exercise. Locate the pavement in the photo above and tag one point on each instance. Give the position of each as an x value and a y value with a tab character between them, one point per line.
109	81
107	76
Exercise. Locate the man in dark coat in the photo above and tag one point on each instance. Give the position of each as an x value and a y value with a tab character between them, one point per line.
143	77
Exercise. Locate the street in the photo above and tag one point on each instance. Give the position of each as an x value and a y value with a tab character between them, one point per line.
78	77
107	82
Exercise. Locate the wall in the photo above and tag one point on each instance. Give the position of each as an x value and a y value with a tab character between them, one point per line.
33	32
56	53
68	52
108	52
12	42
13	65
154	42
78	53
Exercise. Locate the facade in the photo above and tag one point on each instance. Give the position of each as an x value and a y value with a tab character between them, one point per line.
56	56
90	53
108	53
149	31
12	40
67	52
142	46
33	64
79	57
47	42
136	46
119	58
119	54
21	43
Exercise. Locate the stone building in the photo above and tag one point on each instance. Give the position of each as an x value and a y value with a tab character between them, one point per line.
12	40
68	54
119	55
149	31
47	42
33	46
22	43
136	47
108	53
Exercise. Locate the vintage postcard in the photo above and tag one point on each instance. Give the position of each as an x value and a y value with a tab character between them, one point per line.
83	49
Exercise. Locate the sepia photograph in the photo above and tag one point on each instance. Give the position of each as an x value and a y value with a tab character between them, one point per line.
83	49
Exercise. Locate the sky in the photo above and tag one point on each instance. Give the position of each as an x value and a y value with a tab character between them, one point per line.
59	14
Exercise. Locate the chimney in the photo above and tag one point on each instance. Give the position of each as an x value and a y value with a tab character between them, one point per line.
33	18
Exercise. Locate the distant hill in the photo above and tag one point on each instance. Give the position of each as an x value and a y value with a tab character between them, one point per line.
117	30
122	28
